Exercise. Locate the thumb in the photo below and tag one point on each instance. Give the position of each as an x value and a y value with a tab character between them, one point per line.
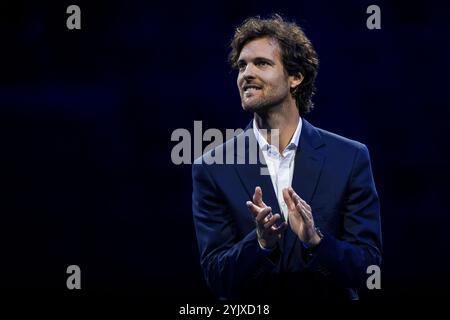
287	198
257	197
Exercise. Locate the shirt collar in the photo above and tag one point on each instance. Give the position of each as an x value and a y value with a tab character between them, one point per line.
264	145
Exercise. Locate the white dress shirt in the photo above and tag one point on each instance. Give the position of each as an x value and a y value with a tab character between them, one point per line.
280	165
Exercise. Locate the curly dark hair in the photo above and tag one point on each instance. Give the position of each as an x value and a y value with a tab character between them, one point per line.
297	52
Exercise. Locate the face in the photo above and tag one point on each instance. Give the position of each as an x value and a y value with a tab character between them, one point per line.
262	81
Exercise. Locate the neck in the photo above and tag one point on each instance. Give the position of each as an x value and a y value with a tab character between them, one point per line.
284	118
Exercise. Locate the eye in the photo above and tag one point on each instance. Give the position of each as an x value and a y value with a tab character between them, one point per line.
262	63
241	66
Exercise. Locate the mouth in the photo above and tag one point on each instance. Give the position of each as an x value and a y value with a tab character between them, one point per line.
250	88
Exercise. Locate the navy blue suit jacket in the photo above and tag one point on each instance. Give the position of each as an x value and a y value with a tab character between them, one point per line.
333	175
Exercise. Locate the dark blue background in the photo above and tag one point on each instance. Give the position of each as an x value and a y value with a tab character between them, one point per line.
86	120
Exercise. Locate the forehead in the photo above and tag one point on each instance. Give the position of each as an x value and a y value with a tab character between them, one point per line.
262	47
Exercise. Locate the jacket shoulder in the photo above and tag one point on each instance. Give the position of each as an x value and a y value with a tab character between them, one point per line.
233	146
336	141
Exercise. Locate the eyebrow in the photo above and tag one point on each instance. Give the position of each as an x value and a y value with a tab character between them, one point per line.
257	59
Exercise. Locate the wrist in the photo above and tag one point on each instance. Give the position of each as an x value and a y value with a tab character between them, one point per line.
265	246
315	240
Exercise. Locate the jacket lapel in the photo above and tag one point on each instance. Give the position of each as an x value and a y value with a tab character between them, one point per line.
307	169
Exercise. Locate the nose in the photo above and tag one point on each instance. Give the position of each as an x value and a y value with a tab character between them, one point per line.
249	72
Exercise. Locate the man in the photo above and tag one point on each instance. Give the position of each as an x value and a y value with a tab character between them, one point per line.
311	227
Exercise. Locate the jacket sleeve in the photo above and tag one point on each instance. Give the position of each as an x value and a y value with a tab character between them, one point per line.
346	259
230	265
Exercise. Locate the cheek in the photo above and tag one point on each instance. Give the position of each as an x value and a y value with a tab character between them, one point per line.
273	79
280	83
239	81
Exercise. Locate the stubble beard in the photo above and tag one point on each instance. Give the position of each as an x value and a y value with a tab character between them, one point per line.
262	105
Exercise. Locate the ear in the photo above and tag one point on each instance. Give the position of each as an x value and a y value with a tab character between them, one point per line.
295	80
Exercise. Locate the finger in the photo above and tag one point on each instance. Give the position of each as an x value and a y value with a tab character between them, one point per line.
297	198
304	205
303	202
278	230
255	210
302	211
274	219
261	217
257	197
307	206
291	192
288	199
306	209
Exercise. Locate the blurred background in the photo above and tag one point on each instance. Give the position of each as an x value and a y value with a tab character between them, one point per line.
86	118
